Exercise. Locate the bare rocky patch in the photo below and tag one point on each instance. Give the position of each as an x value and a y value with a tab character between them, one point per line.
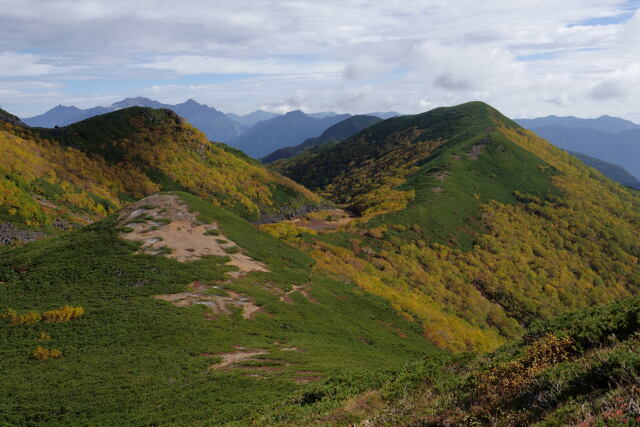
475	151
302	289
165	226
217	304
440	176
304	377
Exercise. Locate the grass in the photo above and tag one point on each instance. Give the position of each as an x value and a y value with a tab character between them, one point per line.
132	359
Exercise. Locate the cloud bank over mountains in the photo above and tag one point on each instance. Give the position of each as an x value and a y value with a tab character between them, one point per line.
528	58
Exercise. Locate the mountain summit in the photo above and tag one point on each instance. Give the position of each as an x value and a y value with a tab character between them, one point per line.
464	217
89	169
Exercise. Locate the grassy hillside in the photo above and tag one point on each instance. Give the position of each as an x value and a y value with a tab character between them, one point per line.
130	358
86	170
474	224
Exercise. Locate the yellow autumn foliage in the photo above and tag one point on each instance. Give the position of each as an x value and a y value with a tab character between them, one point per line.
41	353
285	229
59	315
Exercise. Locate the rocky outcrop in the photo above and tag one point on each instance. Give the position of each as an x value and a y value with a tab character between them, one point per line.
10	234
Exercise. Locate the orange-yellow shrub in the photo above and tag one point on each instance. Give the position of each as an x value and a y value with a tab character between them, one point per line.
63	314
41	353
285	229
511	377
16	319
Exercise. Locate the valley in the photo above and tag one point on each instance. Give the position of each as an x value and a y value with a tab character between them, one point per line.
439	268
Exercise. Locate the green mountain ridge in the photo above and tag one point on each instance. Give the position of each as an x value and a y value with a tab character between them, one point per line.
461	214
84	171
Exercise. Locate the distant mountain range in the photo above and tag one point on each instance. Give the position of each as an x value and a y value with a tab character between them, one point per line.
282	131
603	123
337	132
251	119
289	129
606	138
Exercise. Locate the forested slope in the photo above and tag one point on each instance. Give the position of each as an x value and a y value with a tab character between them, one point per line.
474	224
84	171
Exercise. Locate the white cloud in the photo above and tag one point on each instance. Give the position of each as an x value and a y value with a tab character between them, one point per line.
23	64
357	56
193	64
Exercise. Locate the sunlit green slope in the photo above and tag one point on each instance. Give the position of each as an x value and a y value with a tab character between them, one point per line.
203	341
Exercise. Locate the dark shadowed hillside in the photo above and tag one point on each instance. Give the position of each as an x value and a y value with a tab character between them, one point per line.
282	131
337	132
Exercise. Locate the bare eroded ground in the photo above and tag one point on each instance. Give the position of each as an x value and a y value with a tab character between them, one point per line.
166	227
217	304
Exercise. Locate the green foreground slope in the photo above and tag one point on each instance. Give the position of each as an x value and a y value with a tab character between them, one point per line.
134	359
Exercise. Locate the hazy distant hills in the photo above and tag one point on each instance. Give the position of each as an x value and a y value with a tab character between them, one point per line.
337	132
251	119
606	138
604	123
63	115
282	131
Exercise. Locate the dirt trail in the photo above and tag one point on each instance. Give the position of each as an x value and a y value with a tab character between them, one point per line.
297	288
166	227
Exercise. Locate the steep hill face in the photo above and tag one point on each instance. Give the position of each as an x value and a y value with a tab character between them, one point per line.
282	131
568	371
473	223
86	170
337	132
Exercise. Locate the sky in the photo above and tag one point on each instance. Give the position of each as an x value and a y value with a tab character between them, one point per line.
528	58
